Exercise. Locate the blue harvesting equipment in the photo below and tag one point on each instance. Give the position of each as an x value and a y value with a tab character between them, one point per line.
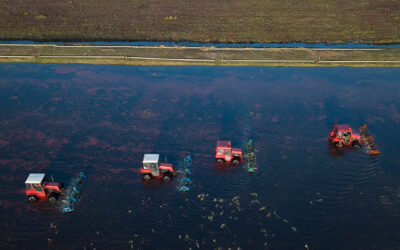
250	157
73	193
186	180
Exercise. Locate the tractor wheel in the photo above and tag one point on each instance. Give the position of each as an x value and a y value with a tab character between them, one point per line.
146	177
53	198
356	145
235	161
219	160
166	178
32	198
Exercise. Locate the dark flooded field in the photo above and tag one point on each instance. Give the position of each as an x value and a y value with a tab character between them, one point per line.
63	119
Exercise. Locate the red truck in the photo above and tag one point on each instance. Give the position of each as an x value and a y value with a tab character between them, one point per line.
224	153
37	187
343	135
152	168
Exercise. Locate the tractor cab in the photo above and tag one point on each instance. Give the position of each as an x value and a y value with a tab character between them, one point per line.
37	187
152	168
152	163
226	154
343	135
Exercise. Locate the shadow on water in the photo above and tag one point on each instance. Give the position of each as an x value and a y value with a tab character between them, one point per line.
102	119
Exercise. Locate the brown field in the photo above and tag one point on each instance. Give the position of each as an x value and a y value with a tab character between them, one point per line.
330	21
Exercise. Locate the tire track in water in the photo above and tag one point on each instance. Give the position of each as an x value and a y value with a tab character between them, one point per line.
334	190
93	210
234	181
151	202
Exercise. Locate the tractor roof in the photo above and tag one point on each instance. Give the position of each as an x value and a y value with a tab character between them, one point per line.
35	178
223	143
151	158
343	126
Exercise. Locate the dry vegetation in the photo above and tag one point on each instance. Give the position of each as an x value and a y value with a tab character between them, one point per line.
333	21
198	56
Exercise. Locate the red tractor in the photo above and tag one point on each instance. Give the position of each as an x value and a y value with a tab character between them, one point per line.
152	168
224	153
37	187
343	135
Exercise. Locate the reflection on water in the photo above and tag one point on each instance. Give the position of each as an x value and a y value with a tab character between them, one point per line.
64	119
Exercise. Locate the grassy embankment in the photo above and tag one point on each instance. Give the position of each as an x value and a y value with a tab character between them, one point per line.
338	21
126	55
